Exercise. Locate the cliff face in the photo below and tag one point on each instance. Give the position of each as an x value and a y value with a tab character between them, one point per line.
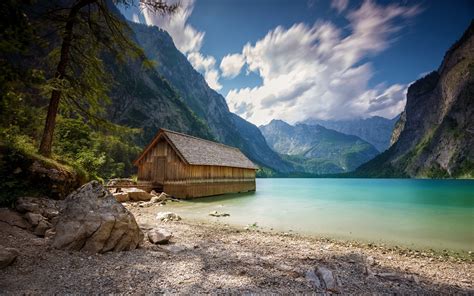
141	98
316	149
437	137
398	128
208	105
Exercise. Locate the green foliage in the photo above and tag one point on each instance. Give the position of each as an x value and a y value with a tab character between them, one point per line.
101	155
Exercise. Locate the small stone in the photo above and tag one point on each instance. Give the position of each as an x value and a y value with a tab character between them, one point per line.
42	227
49	234
370	261
7	256
167	216
121	196
33	218
327	277
313	280
159	236
217	214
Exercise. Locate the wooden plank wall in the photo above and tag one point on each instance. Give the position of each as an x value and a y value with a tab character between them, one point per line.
185	190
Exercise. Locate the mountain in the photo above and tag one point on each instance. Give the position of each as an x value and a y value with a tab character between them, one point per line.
141	98
316	149
206	103
376	130
435	136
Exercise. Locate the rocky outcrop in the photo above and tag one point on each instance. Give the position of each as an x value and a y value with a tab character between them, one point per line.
438	134
398	128
23	174
92	220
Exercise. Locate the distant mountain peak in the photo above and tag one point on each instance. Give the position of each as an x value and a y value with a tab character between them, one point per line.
316	149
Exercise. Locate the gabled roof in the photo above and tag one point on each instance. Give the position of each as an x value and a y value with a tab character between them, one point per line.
197	151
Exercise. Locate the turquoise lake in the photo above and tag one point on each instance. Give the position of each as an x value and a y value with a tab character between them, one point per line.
436	214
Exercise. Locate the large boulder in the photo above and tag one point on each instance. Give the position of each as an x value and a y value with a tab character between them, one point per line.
92	220
7	256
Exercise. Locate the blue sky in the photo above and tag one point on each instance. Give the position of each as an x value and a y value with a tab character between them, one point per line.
294	60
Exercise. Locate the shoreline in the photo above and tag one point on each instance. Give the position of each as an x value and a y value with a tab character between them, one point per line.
426	252
216	258
204	218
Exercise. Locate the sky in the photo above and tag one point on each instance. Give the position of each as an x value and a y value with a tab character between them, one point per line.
294	60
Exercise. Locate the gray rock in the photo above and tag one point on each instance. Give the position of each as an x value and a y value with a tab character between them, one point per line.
327	278
7	256
44	206
159	236
322	278
92	220
13	218
42	227
313	279
50	233
167	216
162	197
135	194
217	214
33	218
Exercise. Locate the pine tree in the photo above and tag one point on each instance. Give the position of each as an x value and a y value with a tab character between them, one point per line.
89	29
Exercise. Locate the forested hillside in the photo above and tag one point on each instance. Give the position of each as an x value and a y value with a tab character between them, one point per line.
113	101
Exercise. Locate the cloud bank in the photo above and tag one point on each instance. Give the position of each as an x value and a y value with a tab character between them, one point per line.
319	71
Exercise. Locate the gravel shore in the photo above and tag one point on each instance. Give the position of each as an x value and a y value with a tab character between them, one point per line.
216	258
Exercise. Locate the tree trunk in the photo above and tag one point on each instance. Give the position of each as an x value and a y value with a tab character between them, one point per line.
47	139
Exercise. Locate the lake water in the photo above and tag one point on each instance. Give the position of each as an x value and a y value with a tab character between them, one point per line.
436	214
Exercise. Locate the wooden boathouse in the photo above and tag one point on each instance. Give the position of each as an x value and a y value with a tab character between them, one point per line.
185	166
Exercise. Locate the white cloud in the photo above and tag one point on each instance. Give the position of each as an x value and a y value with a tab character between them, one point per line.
319	71
339	5
135	18
187	39
200	62
206	65
231	65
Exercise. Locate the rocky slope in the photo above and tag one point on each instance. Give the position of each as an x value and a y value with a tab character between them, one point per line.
376	130
316	149
436	138
207	104
142	98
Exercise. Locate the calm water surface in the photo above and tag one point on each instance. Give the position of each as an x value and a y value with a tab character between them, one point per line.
436	214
